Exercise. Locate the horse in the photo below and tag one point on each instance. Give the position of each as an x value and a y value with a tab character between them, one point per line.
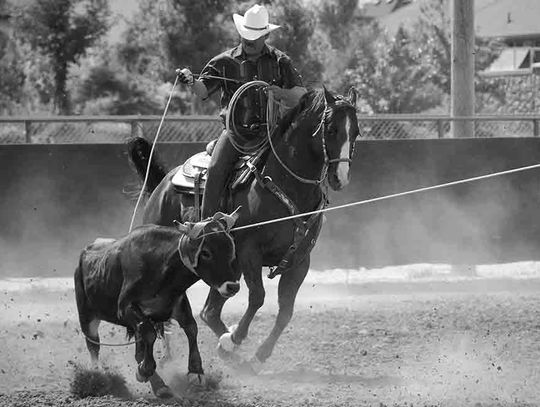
311	148
139	282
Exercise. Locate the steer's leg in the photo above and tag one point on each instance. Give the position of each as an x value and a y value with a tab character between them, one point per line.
90	329
289	283
145	337
184	315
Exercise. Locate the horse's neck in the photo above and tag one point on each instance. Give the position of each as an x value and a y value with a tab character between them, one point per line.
294	151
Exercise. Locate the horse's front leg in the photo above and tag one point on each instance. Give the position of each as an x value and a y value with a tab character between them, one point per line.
289	284
211	312
250	262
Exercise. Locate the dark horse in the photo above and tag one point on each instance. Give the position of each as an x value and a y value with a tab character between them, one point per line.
312	145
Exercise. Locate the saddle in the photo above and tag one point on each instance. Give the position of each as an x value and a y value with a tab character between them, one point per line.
190	177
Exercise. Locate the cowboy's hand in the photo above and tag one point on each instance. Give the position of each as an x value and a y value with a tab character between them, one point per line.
284	96
277	92
185	76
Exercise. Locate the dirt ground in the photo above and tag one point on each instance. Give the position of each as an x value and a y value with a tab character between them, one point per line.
473	343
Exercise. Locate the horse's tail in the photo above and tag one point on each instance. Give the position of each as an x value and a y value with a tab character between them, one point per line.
139	153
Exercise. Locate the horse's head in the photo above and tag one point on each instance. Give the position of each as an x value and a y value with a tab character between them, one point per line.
208	249
338	135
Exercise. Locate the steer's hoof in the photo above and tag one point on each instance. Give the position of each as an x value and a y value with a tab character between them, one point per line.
140	378
164	392
143	376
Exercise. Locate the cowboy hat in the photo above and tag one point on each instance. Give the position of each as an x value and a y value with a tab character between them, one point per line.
254	24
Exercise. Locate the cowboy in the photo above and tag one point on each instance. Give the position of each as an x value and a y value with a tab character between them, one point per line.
252	59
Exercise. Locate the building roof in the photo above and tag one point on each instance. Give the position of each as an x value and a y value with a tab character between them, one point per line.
507	19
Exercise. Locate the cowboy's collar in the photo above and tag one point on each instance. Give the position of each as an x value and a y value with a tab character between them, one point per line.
238	52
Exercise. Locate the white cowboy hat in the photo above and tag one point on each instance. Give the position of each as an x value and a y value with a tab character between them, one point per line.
254	24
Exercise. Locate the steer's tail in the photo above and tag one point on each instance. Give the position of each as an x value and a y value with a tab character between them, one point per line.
139	153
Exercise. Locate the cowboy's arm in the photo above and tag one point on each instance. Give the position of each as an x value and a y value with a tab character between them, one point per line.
292	88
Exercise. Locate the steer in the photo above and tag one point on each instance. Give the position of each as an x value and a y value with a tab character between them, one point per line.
140	281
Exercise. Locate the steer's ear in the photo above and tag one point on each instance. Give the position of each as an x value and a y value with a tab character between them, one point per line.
182	227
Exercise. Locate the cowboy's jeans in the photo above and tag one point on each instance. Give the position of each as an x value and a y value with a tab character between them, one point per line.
222	161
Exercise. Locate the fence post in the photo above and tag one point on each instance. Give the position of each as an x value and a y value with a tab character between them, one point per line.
536	128
136	129
440	128
28	131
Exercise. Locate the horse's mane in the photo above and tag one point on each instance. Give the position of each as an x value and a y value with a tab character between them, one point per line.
312	102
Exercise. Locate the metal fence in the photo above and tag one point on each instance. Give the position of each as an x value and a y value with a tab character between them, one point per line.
117	129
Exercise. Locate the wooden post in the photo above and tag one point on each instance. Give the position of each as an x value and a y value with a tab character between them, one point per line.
462	69
440	128
136	129
28	131
462	83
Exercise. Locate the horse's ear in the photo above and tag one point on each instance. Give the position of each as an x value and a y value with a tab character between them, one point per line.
352	95
328	96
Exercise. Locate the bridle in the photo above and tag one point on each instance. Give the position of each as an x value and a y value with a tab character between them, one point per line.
321	127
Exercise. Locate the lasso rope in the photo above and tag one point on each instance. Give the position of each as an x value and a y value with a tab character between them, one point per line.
141	193
230	126
108	344
381	198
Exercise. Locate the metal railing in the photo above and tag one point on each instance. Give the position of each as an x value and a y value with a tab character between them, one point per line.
117	129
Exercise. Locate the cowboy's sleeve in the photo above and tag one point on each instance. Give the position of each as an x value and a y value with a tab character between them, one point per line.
291	77
212	84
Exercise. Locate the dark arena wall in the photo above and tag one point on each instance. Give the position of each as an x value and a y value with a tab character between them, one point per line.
58	198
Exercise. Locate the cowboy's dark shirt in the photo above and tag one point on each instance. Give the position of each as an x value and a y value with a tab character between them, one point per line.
272	66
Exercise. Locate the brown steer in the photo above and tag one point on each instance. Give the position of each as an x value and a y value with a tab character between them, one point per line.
140	281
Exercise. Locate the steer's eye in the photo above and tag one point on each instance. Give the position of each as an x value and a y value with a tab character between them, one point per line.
205	254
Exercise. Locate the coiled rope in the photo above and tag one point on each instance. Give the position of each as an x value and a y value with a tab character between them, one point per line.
233	133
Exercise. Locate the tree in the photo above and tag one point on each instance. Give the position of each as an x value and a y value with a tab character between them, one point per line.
62	30
390	77
295	37
432	35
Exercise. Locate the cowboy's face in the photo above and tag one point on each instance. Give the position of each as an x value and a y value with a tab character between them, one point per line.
255	47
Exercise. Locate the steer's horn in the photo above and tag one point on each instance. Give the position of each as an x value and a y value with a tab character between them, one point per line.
182	227
229	219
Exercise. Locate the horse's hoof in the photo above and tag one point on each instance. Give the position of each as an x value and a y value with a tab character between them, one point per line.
230	358
226	342
196	380
251	367
164	392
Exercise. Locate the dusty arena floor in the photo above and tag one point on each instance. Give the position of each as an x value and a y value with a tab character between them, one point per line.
472	342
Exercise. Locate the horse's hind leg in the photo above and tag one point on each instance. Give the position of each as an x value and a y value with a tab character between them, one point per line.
289	284
184	315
